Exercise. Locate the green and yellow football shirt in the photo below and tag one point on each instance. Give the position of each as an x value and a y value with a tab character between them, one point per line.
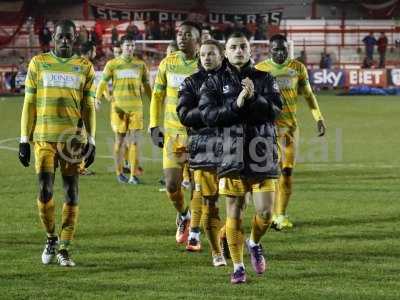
127	76
292	79
61	91
172	71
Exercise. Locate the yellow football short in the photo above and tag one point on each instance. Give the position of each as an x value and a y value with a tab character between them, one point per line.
238	187
287	144
175	151
206	182
122	122
50	155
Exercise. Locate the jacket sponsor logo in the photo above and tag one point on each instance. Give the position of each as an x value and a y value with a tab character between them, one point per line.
275	87
61	80
225	89
127	73
175	80
327	77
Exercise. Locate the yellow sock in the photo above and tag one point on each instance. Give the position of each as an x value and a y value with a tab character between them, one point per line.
126	155
82	166
47	215
222	231
258	228
284	192
118	159
68	224
178	200
195	209
211	223
235	237
133	158
186	172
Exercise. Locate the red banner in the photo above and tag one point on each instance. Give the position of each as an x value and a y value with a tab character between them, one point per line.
12	12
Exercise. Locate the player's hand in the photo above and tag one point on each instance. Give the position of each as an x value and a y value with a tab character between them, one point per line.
321	127
89	153
24	154
241	98
157	137
248	86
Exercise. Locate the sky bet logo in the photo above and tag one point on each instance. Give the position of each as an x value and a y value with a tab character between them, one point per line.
327	77
61	80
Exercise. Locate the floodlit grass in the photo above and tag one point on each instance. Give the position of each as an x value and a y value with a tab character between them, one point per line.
346	209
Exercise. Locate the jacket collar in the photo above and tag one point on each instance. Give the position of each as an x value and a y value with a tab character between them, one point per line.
212	72
244	71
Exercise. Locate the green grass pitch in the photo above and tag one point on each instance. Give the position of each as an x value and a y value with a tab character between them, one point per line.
346	209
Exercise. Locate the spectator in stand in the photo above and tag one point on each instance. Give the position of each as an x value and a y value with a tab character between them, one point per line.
217	33
166	32
45	39
136	33
170	30
83	36
322	61
302	58
114	35
98	28
382	46
205	34
367	63
236	26
93	36
152	31
328	61
133	30
369	42
261	32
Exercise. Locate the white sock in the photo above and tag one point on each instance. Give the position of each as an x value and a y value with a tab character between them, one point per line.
237	266
194	235
252	243
186	216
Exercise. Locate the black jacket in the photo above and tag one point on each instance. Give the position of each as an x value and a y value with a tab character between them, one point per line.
203	145
248	133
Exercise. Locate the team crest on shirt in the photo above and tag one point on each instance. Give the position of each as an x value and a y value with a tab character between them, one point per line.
46	66
76	68
292	72
225	89
275	87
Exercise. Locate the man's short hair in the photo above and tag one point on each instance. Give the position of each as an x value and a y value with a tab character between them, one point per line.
86	48
216	44
277	37
127	37
237	34
117	44
66	23
195	25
